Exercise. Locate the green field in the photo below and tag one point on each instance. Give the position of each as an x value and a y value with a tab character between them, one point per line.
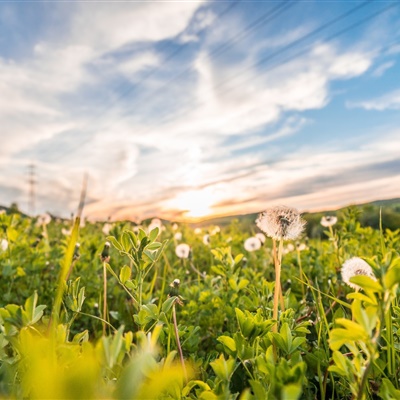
98	322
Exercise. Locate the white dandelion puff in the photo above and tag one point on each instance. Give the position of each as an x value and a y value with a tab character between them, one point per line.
155	223
252	244
301	246
206	239
261	237
281	223
107	228
182	250
4	244
44	219
328	221
178	236
215	230
197	231
353	267
175	227
290	247
66	232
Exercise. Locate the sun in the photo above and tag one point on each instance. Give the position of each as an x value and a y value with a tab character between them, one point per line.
195	203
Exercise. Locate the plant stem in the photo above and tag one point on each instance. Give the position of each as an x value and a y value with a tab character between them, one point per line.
301	273
104	297
278	260
178	343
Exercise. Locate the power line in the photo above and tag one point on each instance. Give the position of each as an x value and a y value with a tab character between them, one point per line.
152	71
266	17
285	61
290	58
31	188
280	51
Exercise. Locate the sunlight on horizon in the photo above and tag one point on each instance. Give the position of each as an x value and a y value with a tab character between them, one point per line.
196	203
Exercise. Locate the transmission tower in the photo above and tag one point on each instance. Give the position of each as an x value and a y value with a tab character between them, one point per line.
32	188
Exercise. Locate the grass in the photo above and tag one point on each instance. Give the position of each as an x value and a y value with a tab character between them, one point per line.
116	329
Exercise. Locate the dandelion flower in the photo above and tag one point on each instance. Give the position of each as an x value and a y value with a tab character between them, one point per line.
182	250
4	244
301	246
178	236
328	221
197	231
107	228
44	219
252	244
290	247
66	232
281	223
206	239
155	223
353	267
175	226
261	237
216	230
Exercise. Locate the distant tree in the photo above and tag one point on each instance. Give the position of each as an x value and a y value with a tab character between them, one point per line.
14	209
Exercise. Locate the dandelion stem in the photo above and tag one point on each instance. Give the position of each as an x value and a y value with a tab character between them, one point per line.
104	297
277	291
301	272
178	343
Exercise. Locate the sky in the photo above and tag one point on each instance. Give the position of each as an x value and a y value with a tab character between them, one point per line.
190	109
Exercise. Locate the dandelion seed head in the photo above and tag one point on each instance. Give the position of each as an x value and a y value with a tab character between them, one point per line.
215	230
182	250
353	267
328	220
178	236
281	222
175	226
206	239
4	244
197	231
106	228
252	244
261	237
44	219
301	246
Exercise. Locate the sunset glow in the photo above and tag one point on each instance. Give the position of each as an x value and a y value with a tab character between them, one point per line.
192	109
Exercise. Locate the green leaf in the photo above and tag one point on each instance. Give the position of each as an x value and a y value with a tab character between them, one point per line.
291	391
367	283
115	243
223	368
228	342
125	274
167	305
125	241
12	234
153	246
141	234
153	234
392	277
238	258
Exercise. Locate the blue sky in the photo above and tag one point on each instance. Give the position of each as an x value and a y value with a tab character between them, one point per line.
183	109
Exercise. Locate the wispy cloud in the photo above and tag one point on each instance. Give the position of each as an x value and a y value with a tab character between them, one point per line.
389	100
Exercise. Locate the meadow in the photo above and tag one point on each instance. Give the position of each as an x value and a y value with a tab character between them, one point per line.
166	311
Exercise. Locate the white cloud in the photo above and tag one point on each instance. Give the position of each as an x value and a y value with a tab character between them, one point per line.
382	68
389	101
107	26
